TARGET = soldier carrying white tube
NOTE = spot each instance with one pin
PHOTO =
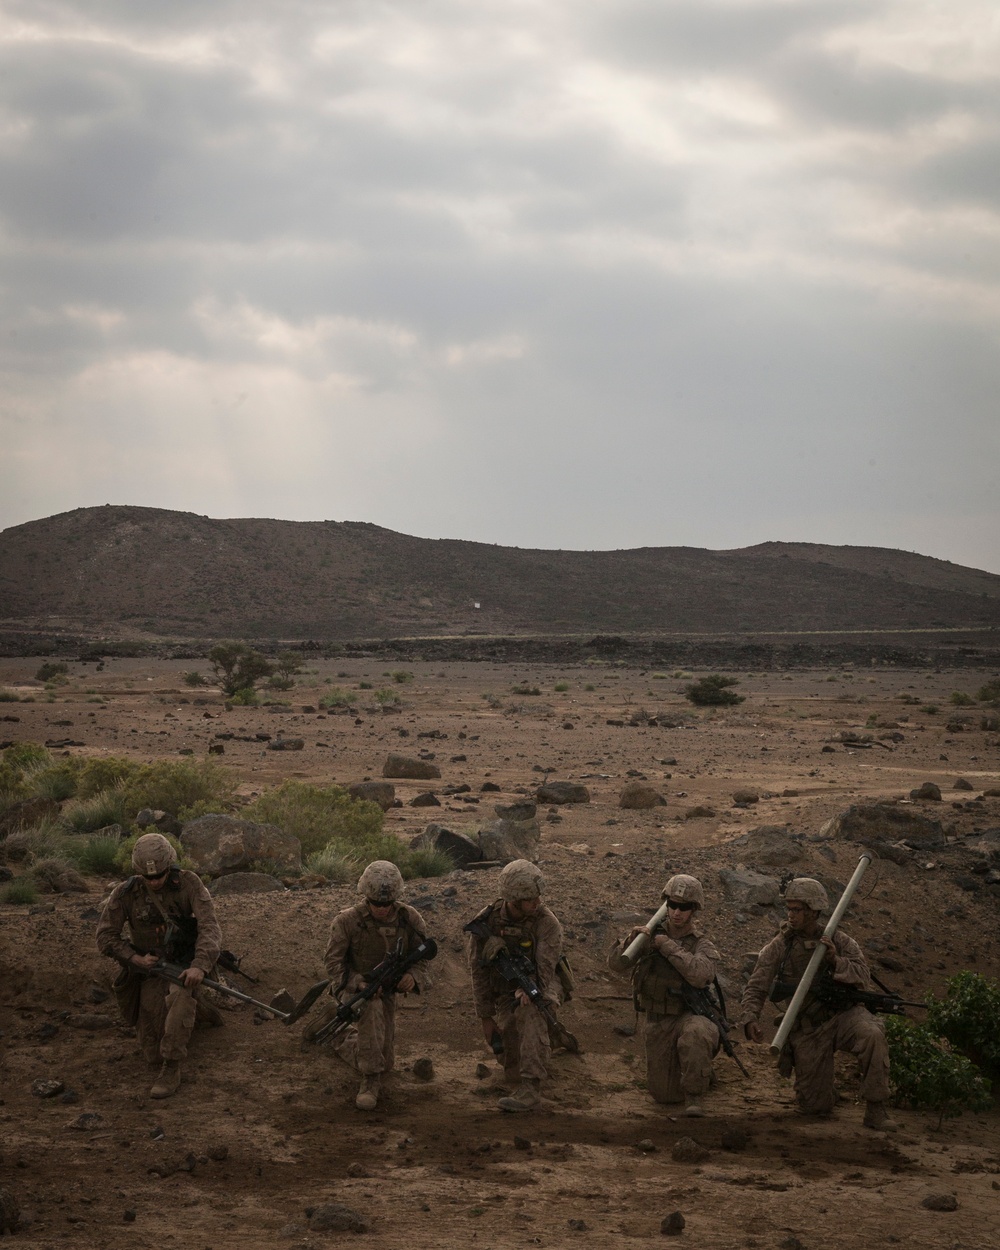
(820, 1027)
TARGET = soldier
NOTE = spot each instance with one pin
(680, 1045)
(155, 904)
(520, 921)
(360, 938)
(819, 1031)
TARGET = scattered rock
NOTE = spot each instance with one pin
(928, 791)
(128, 1215)
(47, 1089)
(92, 1022)
(745, 798)
(771, 845)
(286, 744)
(86, 1121)
(940, 1202)
(743, 886)
(357, 1171)
(647, 1146)
(381, 792)
(462, 849)
(960, 783)
(522, 1143)
(578, 1226)
(637, 796)
(218, 1153)
(334, 1217)
(699, 812)
(863, 822)
(482, 1071)
(687, 1150)
(673, 1224)
(562, 792)
(489, 787)
(735, 1139)
(10, 1212)
(427, 799)
(405, 766)
(221, 844)
(245, 883)
(423, 1069)
(508, 839)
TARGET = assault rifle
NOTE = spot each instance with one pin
(384, 977)
(180, 942)
(520, 971)
(839, 997)
(168, 971)
(701, 1003)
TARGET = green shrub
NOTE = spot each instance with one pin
(492, 699)
(427, 862)
(969, 1017)
(925, 1073)
(401, 676)
(336, 698)
(332, 865)
(387, 698)
(20, 891)
(525, 689)
(179, 787)
(288, 663)
(244, 698)
(931, 709)
(561, 687)
(961, 699)
(97, 812)
(97, 775)
(238, 667)
(58, 782)
(194, 678)
(25, 755)
(713, 691)
(279, 681)
(40, 841)
(990, 693)
(98, 856)
(365, 685)
(316, 814)
(51, 669)
(8, 696)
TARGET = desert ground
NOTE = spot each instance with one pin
(263, 1132)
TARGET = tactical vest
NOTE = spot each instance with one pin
(656, 983)
(145, 921)
(793, 964)
(517, 935)
(374, 940)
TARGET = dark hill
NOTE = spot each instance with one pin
(124, 570)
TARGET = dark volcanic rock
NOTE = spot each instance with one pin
(220, 844)
(463, 850)
(334, 1217)
(637, 796)
(245, 883)
(381, 792)
(562, 792)
(865, 822)
(405, 766)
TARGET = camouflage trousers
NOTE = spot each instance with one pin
(370, 1045)
(813, 1050)
(526, 1048)
(166, 1019)
(679, 1054)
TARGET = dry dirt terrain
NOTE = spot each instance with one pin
(262, 1131)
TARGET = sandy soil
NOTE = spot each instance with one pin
(261, 1130)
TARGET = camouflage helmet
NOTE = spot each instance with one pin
(807, 890)
(381, 883)
(152, 855)
(684, 888)
(521, 880)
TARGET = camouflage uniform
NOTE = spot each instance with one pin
(166, 1012)
(820, 1031)
(679, 1045)
(358, 942)
(525, 1032)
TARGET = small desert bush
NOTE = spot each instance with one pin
(194, 678)
(336, 698)
(561, 687)
(365, 685)
(428, 862)
(41, 841)
(100, 774)
(316, 814)
(969, 1017)
(100, 810)
(990, 693)
(925, 1072)
(183, 788)
(332, 865)
(8, 696)
(492, 699)
(50, 670)
(387, 699)
(930, 709)
(96, 856)
(55, 875)
(401, 676)
(25, 755)
(961, 699)
(244, 698)
(57, 782)
(280, 681)
(20, 891)
(713, 691)
(525, 689)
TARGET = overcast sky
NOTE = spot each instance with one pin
(546, 273)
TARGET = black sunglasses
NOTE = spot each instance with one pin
(676, 905)
(154, 876)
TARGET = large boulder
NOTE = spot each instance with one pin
(743, 886)
(463, 850)
(638, 796)
(873, 823)
(381, 792)
(405, 766)
(221, 844)
(507, 839)
(772, 846)
(562, 792)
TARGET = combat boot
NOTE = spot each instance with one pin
(526, 1098)
(169, 1080)
(877, 1118)
(367, 1099)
